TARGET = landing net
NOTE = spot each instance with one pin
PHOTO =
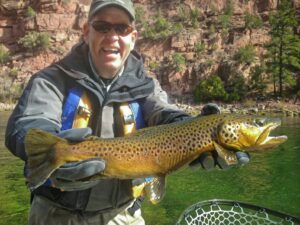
(227, 212)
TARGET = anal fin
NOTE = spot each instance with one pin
(156, 189)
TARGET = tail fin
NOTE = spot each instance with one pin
(42, 160)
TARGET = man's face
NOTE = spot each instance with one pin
(109, 50)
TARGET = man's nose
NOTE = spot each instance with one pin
(112, 35)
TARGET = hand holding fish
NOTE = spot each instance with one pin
(73, 176)
(211, 160)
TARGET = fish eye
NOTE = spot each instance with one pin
(260, 122)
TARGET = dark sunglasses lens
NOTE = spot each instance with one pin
(101, 26)
(104, 27)
(123, 29)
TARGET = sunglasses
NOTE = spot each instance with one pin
(121, 29)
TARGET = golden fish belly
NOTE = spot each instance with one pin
(140, 156)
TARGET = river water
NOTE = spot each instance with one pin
(271, 179)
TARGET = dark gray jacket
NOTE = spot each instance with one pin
(41, 103)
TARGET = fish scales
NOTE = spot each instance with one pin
(153, 151)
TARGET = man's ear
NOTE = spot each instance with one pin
(134, 37)
(85, 32)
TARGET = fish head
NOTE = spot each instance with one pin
(249, 133)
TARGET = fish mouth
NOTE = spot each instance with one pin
(265, 141)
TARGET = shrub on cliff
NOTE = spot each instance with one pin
(210, 89)
(226, 18)
(30, 13)
(160, 27)
(252, 21)
(4, 54)
(188, 16)
(178, 60)
(10, 90)
(199, 48)
(35, 41)
(245, 54)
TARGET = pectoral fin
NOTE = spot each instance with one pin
(228, 156)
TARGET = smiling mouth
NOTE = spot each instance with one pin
(111, 50)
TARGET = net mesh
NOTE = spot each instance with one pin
(225, 212)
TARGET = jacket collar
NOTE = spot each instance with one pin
(134, 82)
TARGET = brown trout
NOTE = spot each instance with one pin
(154, 151)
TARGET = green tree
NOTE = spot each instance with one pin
(236, 88)
(284, 47)
(257, 82)
(210, 89)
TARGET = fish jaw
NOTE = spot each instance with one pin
(271, 142)
(265, 141)
(250, 135)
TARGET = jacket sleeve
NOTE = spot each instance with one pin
(157, 108)
(40, 106)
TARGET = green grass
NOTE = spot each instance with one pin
(14, 201)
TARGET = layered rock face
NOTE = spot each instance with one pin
(63, 20)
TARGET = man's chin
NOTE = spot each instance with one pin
(109, 70)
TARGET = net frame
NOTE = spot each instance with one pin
(230, 212)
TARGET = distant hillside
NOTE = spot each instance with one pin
(182, 41)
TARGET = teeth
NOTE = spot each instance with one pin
(113, 50)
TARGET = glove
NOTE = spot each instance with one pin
(75, 134)
(76, 175)
(209, 109)
(209, 161)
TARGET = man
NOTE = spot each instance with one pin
(96, 85)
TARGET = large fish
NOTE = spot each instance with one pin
(154, 151)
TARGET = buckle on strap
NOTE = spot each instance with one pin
(137, 204)
(128, 118)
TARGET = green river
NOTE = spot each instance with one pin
(271, 179)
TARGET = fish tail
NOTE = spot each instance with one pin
(42, 157)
